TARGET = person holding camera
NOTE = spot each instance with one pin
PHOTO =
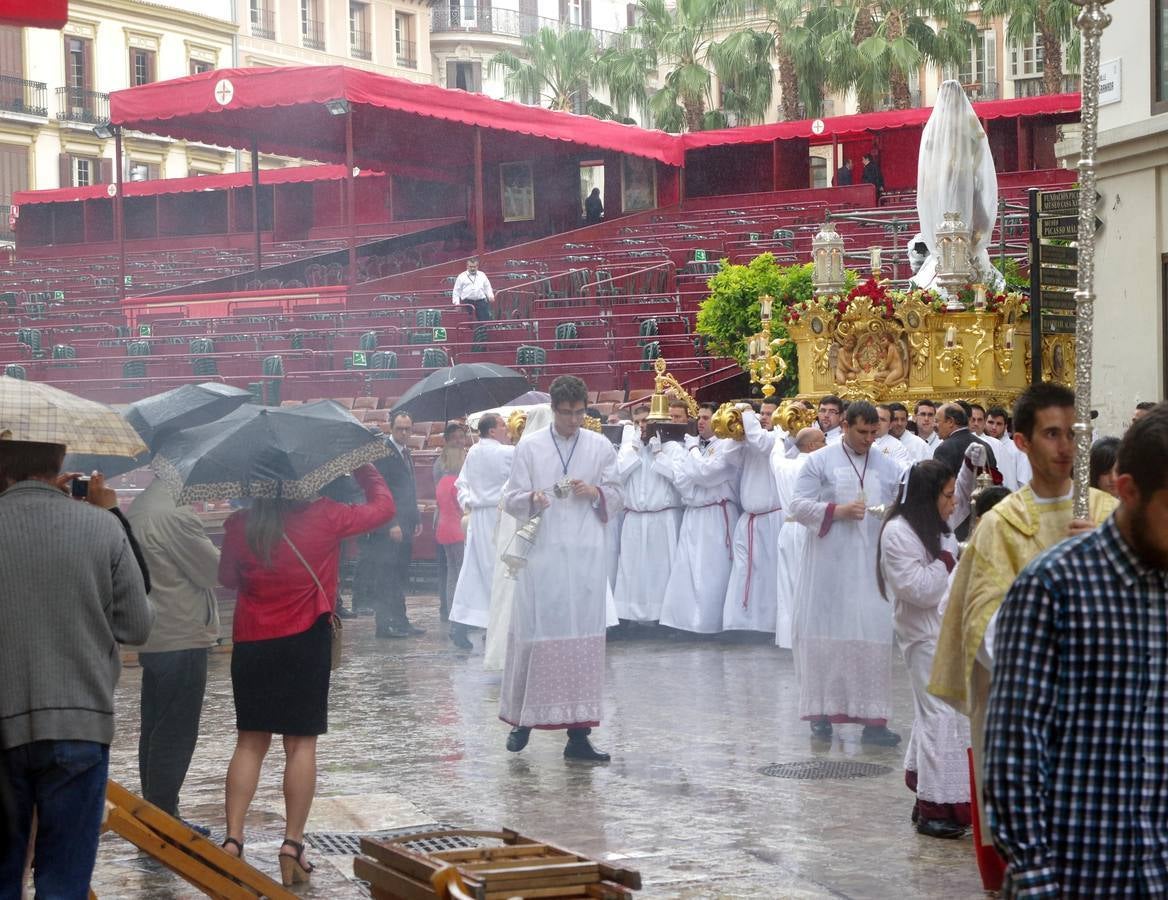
(73, 591)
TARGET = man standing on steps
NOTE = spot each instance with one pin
(473, 287)
(385, 576)
(554, 674)
(480, 487)
(843, 626)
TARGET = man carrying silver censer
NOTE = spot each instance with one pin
(554, 674)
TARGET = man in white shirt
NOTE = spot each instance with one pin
(925, 415)
(913, 445)
(886, 443)
(472, 286)
(831, 410)
(1012, 462)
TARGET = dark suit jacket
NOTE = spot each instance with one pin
(873, 175)
(951, 451)
(398, 472)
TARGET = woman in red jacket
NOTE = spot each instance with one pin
(282, 557)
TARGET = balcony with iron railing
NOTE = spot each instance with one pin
(86, 107)
(503, 23)
(359, 45)
(407, 54)
(19, 95)
(312, 34)
(981, 90)
(263, 24)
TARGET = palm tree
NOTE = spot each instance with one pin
(552, 69)
(799, 28)
(1054, 23)
(681, 40)
(876, 44)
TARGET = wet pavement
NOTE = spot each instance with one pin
(414, 740)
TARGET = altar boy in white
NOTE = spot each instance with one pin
(843, 626)
(752, 593)
(706, 476)
(480, 487)
(554, 674)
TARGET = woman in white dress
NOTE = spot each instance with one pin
(916, 554)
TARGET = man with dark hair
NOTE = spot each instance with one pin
(1015, 531)
(1142, 409)
(872, 174)
(886, 442)
(554, 674)
(1075, 751)
(913, 445)
(73, 591)
(1012, 462)
(925, 415)
(640, 414)
(953, 426)
(473, 287)
(480, 488)
(383, 571)
(843, 626)
(831, 409)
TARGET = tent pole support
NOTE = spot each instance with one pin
(255, 203)
(480, 243)
(350, 200)
(120, 213)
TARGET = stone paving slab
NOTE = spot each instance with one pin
(414, 738)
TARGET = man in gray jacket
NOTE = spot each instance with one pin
(184, 569)
(72, 591)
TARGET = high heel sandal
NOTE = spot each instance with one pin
(293, 869)
(238, 846)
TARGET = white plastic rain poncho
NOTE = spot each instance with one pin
(955, 173)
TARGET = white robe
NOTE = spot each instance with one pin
(554, 673)
(649, 535)
(914, 447)
(708, 484)
(792, 545)
(894, 450)
(480, 487)
(843, 627)
(752, 594)
(919, 586)
(1012, 462)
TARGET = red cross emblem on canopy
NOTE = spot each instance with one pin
(224, 91)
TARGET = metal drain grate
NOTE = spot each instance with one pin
(348, 844)
(823, 769)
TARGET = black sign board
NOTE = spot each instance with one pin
(1061, 301)
(1060, 277)
(1058, 203)
(1058, 255)
(1058, 324)
(1059, 227)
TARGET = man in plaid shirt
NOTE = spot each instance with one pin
(1077, 735)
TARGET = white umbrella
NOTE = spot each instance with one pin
(31, 411)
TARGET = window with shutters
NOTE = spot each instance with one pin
(13, 178)
(1026, 57)
(405, 45)
(575, 13)
(199, 66)
(311, 25)
(82, 171)
(359, 41)
(141, 66)
(78, 61)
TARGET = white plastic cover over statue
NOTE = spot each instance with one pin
(502, 587)
(955, 173)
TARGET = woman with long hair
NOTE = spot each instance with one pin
(282, 557)
(915, 555)
(1104, 455)
(448, 532)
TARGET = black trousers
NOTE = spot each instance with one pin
(383, 573)
(173, 684)
(444, 595)
(482, 308)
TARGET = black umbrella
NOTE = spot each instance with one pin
(163, 414)
(290, 452)
(461, 389)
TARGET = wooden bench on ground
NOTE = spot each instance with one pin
(514, 867)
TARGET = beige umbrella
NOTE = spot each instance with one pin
(31, 411)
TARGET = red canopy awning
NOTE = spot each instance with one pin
(867, 123)
(282, 110)
(295, 174)
(35, 13)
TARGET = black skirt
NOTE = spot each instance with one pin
(281, 685)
